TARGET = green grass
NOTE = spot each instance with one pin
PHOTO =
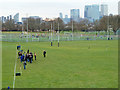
(81, 64)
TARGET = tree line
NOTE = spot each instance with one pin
(106, 22)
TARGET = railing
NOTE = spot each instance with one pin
(17, 37)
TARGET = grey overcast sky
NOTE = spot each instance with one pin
(50, 8)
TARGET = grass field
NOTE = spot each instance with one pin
(80, 64)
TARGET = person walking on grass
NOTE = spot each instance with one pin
(27, 57)
(28, 51)
(31, 56)
(19, 54)
(24, 64)
(44, 53)
(35, 55)
(23, 57)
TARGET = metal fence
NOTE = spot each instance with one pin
(38, 37)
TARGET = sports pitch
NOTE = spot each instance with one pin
(75, 64)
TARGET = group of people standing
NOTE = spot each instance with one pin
(29, 56)
(26, 57)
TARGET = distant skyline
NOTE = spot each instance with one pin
(51, 8)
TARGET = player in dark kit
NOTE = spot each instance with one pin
(35, 55)
(19, 54)
(27, 57)
(44, 53)
(23, 57)
(31, 56)
(28, 51)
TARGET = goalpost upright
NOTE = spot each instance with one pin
(27, 27)
(58, 34)
(51, 34)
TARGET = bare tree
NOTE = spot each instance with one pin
(9, 25)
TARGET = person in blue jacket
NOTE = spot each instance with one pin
(21, 58)
(25, 64)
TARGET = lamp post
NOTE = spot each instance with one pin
(108, 28)
(53, 29)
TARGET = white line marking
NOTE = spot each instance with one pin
(14, 71)
(20, 69)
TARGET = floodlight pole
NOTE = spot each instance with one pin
(108, 30)
(58, 34)
(22, 31)
(53, 29)
(51, 34)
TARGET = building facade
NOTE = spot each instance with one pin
(16, 18)
(10, 17)
(91, 12)
(104, 10)
(24, 19)
(61, 15)
(66, 19)
(34, 17)
(119, 8)
(75, 14)
(66, 16)
(3, 19)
